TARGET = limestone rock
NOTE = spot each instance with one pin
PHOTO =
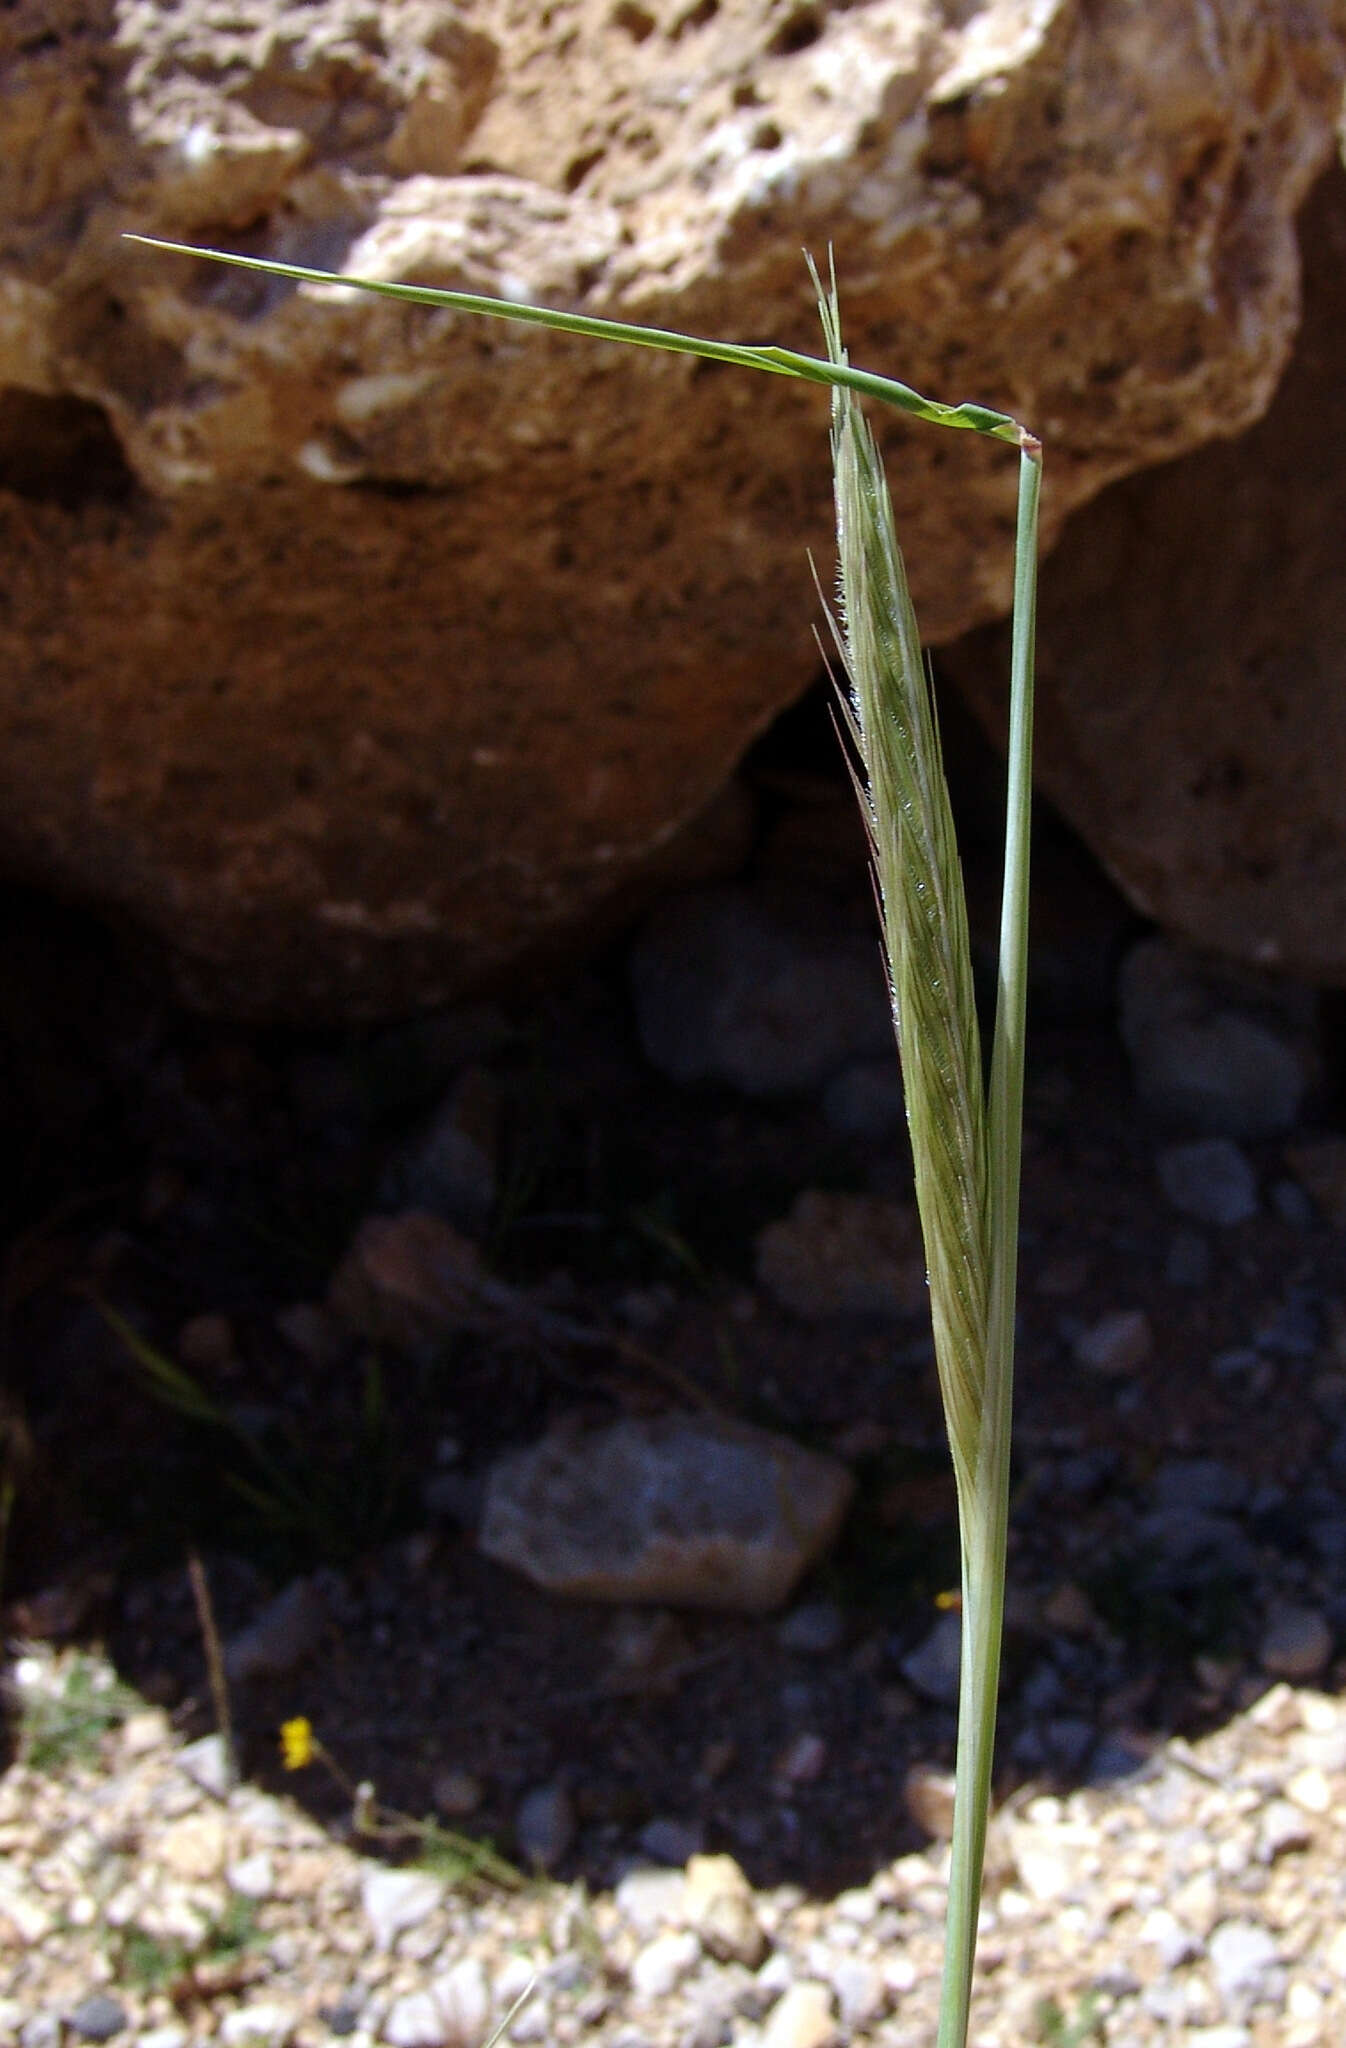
(358, 653)
(1190, 682)
(684, 1510)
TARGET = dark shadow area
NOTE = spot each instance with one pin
(59, 450)
(198, 1186)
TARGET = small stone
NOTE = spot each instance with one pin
(861, 1994)
(454, 2012)
(1116, 1344)
(1311, 1790)
(927, 1794)
(732, 984)
(396, 1900)
(194, 1848)
(413, 2022)
(1243, 1955)
(288, 1629)
(650, 1899)
(1303, 2001)
(659, 1967)
(933, 1666)
(683, 1510)
(1297, 1644)
(814, 1629)
(411, 1281)
(1175, 1943)
(801, 2018)
(802, 1761)
(264, 2025)
(252, 1877)
(839, 1254)
(208, 1764)
(1283, 1829)
(544, 1826)
(1211, 1180)
(1212, 1047)
(672, 1842)
(456, 1794)
(145, 1731)
(463, 1997)
(450, 1169)
(98, 2017)
(718, 1904)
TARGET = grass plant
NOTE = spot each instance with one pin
(965, 1134)
(64, 1706)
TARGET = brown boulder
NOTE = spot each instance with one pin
(1192, 664)
(359, 651)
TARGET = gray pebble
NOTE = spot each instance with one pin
(1293, 1331)
(544, 1826)
(288, 1629)
(395, 1901)
(1284, 1828)
(1296, 1645)
(672, 1842)
(932, 1667)
(1211, 1180)
(208, 1764)
(1244, 1959)
(814, 1629)
(98, 2017)
(1117, 1343)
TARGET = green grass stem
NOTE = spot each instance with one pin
(966, 1137)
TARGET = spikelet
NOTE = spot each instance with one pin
(903, 795)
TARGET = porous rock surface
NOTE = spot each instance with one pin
(1191, 686)
(358, 652)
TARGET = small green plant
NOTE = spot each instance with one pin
(151, 1962)
(965, 1134)
(325, 1511)
(1056, 2031)
(64, 1706)
(466, 1864)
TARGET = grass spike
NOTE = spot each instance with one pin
(966, 1144)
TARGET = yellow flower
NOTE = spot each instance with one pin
(297, 1747)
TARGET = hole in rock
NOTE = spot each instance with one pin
(60, 450)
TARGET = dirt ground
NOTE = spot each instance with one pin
(172, 1170)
